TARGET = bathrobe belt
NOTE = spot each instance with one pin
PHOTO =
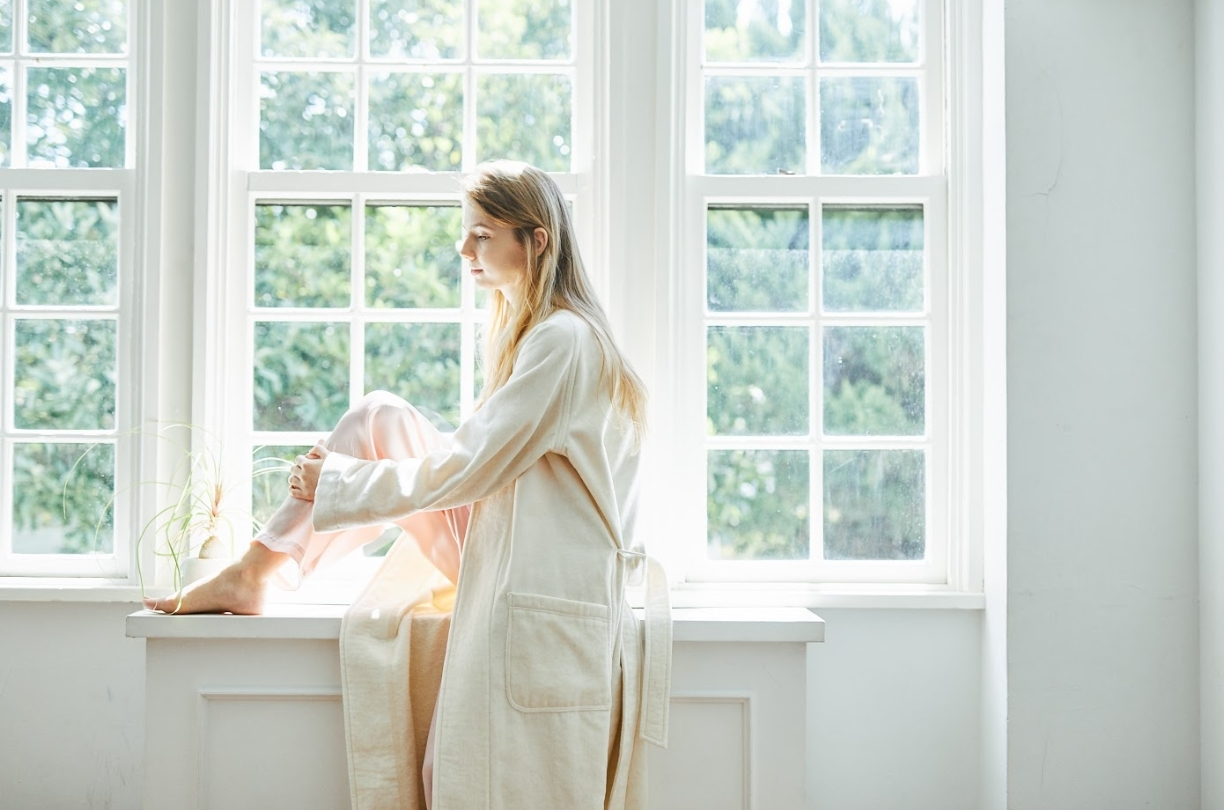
(656, 667)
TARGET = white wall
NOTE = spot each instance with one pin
(1102, 564)
(71, 707)
(1209, 89)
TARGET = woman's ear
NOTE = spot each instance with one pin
(540, 237)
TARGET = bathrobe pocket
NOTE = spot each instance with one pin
(558, 654)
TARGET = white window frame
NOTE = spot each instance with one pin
(135, 368)
(233, 182)
(948, 183)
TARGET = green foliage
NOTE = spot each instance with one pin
(67, 252)
(65, 377)
(65, 494)
(306, 120)
(76, 117)
(302, 255)
(419, 362)
(525, 117)
(872, 259)
(874, 381)
(755, 125)
(301, 375)
(869, 125)
(763, 31)
(416, 29)
(524, 29)
(758, 507)
(757, 380)
(873, 504)
(84, 26)
(757, 259)
(308, 28)
(416, 121)
(410, 258)
(868, 31)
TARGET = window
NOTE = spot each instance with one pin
(69, 276)
(348, 123)
(813, 292)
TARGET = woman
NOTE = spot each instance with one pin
(545, 693)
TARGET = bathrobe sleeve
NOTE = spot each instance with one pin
(518, 424)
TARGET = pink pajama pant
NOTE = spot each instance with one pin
(380, 426)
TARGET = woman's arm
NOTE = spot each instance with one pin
(518, 424)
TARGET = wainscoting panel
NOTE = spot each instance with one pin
(709, 736)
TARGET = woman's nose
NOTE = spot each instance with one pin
(463, 246)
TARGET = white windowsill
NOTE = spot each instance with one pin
(322, 622)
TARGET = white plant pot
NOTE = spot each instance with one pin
(196, 568)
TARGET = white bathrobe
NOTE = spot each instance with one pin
(547, 689)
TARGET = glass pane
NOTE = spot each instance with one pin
(306, 121)
(757, 259)
(755, 125)
(757, 505)
(874, 381)
(310, 29)
(757, 380)
(416, 29)
(411, 259)
(270, 465)
(524, 29)
(869, 126)
(65, 378)
(76, 117)
(301, 375)
(65, 503)
(419, 362)
(875, 504)
(96, 26)
(67, 252)
(869, 30)
(872, 259)
(6, 26)
(416, 121)
(302, 255)
(6, 116)
(525, 117)
(768, 30)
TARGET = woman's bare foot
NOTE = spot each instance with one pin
(240, 588)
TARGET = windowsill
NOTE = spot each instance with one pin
(322, 623)
(741, 597)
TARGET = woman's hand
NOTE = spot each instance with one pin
(304, 476)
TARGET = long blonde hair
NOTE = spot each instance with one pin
(522, 197)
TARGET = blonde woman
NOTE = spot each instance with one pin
(547, 689)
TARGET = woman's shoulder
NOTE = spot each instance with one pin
(565, 326)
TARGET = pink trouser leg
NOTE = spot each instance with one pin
(380, 426)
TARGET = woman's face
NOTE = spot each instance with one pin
(496, 258)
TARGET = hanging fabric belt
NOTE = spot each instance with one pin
(656, 668)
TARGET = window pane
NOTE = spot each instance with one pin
(872, 259)
(755, 125)
(525, 117)
(769, 30)
(67, 252)
(874, 381)
(411, 259)
(757, 505)
(523, 29)
(869, 126)
(301, 375)
(416, 121)
(757, 259)
(757, 378)
(869, 30)
(416, 29)
(311, 29)
(875, 505)
(6, 115)
(302, 255)
(6, 26)
(65, 377)
(269, 472)
(65, 498)
(419, 362)
(96, 26)
(306, 120)
(76, 117)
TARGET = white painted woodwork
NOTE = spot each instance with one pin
(245, 712)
